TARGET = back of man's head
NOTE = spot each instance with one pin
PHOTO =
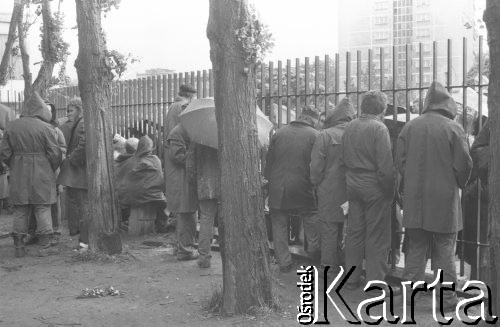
(309, 115)
(374, 103)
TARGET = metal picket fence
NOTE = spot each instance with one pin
(403, 72)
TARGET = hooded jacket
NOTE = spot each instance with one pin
(327, 171)
(31, 151)
(142, 177)
(433, 158)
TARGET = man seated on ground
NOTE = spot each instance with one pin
(121, 168)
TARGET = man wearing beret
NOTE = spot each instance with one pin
(290, 188)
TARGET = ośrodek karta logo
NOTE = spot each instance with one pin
(309, 311)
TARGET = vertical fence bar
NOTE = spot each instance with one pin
(464, 124)
(449, 68)
(153, 131)
(306, 81)
(337, 78)
(316, 81)
(271, 92)
(394, 142)
(479, 213)
(382, 72)
(434, 60)
(280, 108)
(420, 77)
(288, 90)
(212, 84)
(129, 98)
(347, 73)
(263, 88)
(358, 80)
(170, 92)
(199, 85)
(124, 107)
(176, 84)
(135, 99)
(297, 87)
(148, 105)
(139, 106)
(394, 94)
(163, 109)
(327, 82)
(144, 100)
(193, 81)
(204, 84)
(370, 63)
(159, 137)
(408, 60)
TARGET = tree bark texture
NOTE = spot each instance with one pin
(49, 53)
(94, 78)
(245, 255)
(17, 14)
(492, 20)
(25, 59)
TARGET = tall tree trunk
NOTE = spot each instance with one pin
(25, 58)
(492, 20)
(94, 78)
(245, 255)
(49, 51)
(17, 14)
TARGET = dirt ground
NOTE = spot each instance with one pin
(157, 289)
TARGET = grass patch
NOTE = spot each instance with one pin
(101, 257)
(213, 304)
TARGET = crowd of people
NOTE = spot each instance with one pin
(346, 174)
(340, 178)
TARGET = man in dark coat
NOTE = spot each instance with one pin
(186, 94)
(370, 181)
(73, 175)
(290, 188)
(31, 151)
(182, 200)
(207, 183)
(433, 158)
(328, 178)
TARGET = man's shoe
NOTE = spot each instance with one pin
(30, 239)
(19, 250)
(190, 256)
(54, 240)
(287, 268)
(204, 261)
(45, 241)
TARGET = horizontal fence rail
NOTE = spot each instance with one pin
(403, 72)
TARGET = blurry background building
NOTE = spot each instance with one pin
(387, 23)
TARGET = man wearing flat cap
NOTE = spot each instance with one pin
(290, 188)
(185, 95)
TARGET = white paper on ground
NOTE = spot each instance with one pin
(345, 207)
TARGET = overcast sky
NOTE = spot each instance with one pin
(172, 33)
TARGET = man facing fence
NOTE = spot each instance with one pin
(370, 188)
(433, 158)
(290, 189)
